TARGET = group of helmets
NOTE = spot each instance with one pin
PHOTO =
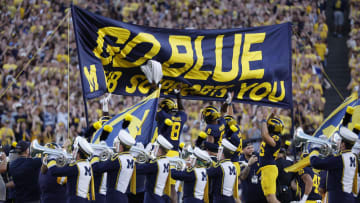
(211, 113)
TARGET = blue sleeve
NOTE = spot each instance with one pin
(109, 165)
(333, 162)
(36, 163)
(323, 175)
(213, 147)
(182, 175)
(64, 171)
(146, 168)
(214, 171)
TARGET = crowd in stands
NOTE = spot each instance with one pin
(36, 103)
(354, 45)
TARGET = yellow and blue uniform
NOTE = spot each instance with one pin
(120, 171)
(25, 173)
(225, 181)
(195, 184)
(171, 133)
(269, 171)
(157, 186)
(52, 188)
(79, 175)
(100, 180)
(217, 131)
(315, 176)
(251, 187)
(234, 136)
(342, 170)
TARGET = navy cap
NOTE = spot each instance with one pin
(22, 146)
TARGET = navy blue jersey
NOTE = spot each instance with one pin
(52, 188)
(195, 181)
(171, 133)
(315, 176)
(216, 130)
(269, 153)
(157, 173)
(78, 179)
(25, 173)
(341, 175)
(251, 187)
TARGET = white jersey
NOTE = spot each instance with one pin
(127, 164)
(229, 178)
(83, 178)
(162, 175)
(349, 171)
(200, 183)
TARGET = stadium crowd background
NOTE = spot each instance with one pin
(35, 106)
(354, 46)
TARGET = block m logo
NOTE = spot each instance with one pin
(91, 78)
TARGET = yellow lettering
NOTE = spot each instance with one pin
(196, 88)
(144, 87)
(257, 97)
(166, 84)
(247, 56)
(91, 78)
(142, 121)
(219, 75)
(121, 34)
(119, 59)
(195, 73)
(177, 41)
(206, 89)
(244, 88)
(112, 80)
(134, 81)
(272, 96)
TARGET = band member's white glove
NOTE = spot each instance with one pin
(152, 71)
(228, 98)
(303, 199)
(176, 91)
(105, 103)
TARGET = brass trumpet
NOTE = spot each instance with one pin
(61, 157)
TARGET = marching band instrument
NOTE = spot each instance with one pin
(179, 163)
(141, 154)
(301, 139)
(325, 147)
(103, 151)
(61, 157)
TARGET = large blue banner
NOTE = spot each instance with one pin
(334, 120)
(255, 63)
(142, 125)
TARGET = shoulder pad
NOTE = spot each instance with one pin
(190, 169)
(114, 156)
(276, 138)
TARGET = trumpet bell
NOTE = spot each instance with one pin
(61, 157)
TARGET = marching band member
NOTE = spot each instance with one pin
(157, 186)
(100, 178)
(79, 174)
(195, 178)
(224, 175)
(171, 120)
(120, 168)
(269, 148)
(25, 173)
(250, 180)
(342, 169)
(52, 188)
